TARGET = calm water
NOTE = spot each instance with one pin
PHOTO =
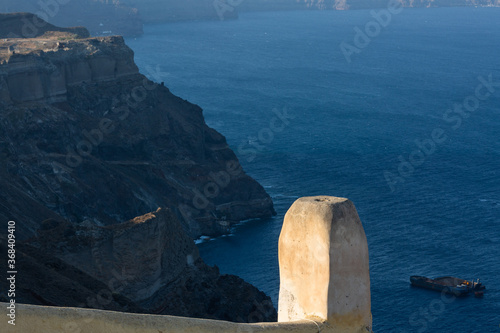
(352, 124)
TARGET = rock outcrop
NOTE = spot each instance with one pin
(113, 174)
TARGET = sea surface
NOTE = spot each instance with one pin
(350, 131)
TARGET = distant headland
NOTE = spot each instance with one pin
(127, 17)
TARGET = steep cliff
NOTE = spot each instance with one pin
(103, 135)
(107, 171)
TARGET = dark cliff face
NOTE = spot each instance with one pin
(114, 175)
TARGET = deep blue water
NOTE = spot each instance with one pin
(352, 122)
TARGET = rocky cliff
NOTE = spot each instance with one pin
(113, 174)
(104, 135)
(100, 17)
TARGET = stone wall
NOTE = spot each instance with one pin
(41, 319)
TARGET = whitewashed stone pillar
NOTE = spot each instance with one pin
(324, 271)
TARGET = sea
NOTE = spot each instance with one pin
(401, 115)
